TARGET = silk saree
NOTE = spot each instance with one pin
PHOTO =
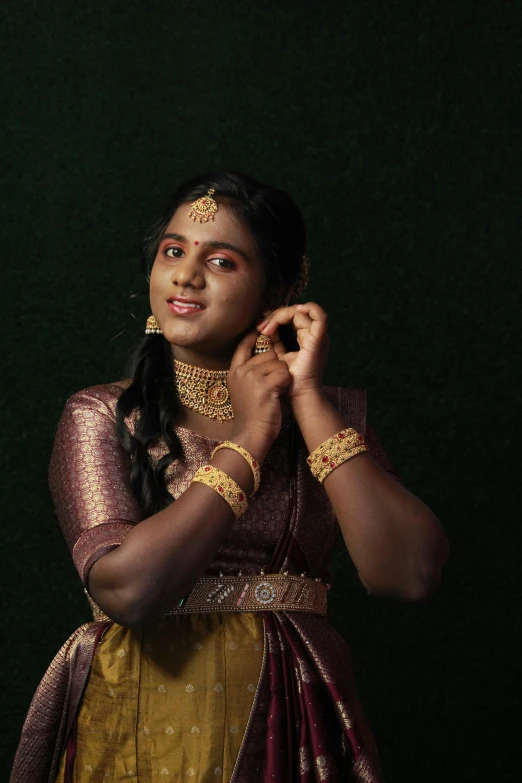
(249, 697)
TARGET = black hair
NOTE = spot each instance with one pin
(276, 224)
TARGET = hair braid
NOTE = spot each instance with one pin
(152, 394)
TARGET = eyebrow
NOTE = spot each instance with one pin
(210, 244)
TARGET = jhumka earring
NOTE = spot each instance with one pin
(204, 208)
(152, 326)
(263, 344)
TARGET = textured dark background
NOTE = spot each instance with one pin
(396, 126)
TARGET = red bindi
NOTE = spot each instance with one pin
(196, 242)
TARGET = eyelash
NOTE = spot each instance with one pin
(230, 263)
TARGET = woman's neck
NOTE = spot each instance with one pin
(216, 361)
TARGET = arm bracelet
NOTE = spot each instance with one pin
(254, 464)
(225, 486)
(334, 451)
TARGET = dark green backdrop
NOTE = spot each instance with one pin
(396, 126)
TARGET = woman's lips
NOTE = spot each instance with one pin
(184, 308)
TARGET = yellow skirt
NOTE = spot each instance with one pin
(170, 701)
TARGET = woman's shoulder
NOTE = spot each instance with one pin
(102, 397)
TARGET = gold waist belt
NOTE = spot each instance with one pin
(266, 593)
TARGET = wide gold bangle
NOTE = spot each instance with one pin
(225, 486)
(334, 451)
(254, 464)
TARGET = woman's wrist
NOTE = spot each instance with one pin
(316, 418)
(306, 401)
(255, 442)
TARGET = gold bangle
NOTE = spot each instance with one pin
(254, 464)
(334, 451)
(225, 486)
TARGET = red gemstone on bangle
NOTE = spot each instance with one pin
(207, 469)
(220, 489)
(254, 463)
(332, 464)
(241, 497)
(325, 459)
(341, 435)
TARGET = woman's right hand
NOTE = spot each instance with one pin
(256, 384)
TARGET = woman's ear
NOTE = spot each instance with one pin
(275, 297)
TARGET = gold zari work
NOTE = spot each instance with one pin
(203, 391)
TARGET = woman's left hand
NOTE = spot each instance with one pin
(306, 365)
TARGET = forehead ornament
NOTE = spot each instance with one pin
(204, 209)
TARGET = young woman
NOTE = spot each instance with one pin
(201, 500)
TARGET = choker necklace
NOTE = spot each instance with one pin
(203, 391)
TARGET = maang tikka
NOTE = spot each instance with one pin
(204, 209)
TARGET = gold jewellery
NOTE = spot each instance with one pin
(263, 344)
(152, 326)
(203, 391)
(334, 451)
(254, 464)
(204, 208)
(225, 486)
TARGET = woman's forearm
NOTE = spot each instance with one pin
(161, 558)
(395, 541)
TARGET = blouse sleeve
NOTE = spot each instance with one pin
(89, 479)
(351, 404)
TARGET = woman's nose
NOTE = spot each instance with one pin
(187, 272)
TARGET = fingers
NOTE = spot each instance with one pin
(284, 315)
(266, 363)
(305, 316)
(244, 349)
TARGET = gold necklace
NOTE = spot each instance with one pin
(203, 391)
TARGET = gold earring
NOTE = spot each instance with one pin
(152, 326)
(263, 344)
